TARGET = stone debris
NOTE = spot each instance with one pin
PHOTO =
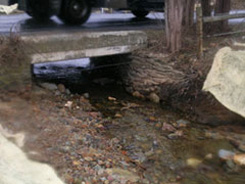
(225, 154)
(239, 159)
(16, 168)
(8, 9)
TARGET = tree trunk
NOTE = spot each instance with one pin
(173, 19)
(188, 20)
(223, 6)
(178, 18)
(145, 74)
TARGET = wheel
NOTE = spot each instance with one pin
(39, 10)
(11, 2)
(140, 13)
(75, 11)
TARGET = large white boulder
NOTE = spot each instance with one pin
(16, 168)
(226, 79)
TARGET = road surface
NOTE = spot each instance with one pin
(23, 24)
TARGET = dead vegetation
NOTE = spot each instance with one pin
(15, 68)
(178, 78)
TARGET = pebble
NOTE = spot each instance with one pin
(168, 127)
(182, 123)
(239, 159)
(117, 115)
(69, 104)
(49, 86)
(121, 174)
(225, 154)
(193, 162)
(68, 92)
(61, 88)
(209, 156)
(57, 93)
(86, 95)
(138, 95)
(154, 98)
(110, 98)
(241, 147)
(230, 164)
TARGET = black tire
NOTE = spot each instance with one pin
(75, 12)
(11, 2)
(39, 10)
(140, 13)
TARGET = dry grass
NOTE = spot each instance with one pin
(14, 65)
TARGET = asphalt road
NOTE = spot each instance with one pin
(23, 24)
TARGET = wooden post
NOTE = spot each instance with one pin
(199, 28)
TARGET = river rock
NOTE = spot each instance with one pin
(239, 159)
(49, 86)
(68, 92)
(61, 88)
(86, 95)
(193, 162)
(225, 154)
(122, 175)
(182, 123)
(138, 95)
(154, 98)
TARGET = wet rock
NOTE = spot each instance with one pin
(69, 104)
(110, 98)
(239, 159)
(176, 135)
(49, 86)
(230, 164)
(122, 175)
(57, 93)
(138, 95)
(214, 135)
(154, 98)
(68, 92)
(86, 95)
(61, 88)
(173, 136)
(209, 156)
(117, 115)
(168, 127)
(225, 154)
(241, 147)
(193, 162)
(182, 123)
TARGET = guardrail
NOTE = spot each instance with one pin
(201, 20)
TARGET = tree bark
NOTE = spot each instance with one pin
(145, 74)
(223, 6)
(173, 19)
(178, 18)
(188, 20)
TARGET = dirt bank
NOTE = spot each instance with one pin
(177, 79)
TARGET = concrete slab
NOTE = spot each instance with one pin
(74, 45)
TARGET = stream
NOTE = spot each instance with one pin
(162, 143)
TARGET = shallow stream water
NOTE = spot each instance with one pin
(164, 145)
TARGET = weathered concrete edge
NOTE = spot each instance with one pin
(74, 36)
(68, 46)
(69, 55)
